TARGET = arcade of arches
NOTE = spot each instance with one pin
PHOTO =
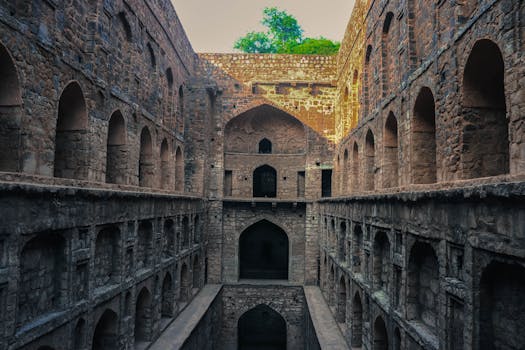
(153, 197)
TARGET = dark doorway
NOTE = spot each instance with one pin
(265, 182)
(261, 328)
(326, 183)
(263, 252)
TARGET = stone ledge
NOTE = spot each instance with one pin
(326, 329)
(181, 328)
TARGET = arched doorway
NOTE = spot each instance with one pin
(263, 252)
(261, 328)
(265, 182)
(380, 335)
(106, 332)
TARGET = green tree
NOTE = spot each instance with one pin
(283, 35)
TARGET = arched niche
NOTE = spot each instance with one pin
(244, 132)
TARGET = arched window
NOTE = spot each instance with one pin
(341, 301)
(125, 26)
(116, 156)
(357, 322)
(184, 292)
(263, 252)
(261, 328)
(367, 80)
(144, 253)
(10, 104)
(71, 138)
(265, 146)
(485, 128)
(265, 182)
(355, 167)
(382, 262)
(107, 257)
(423, 163)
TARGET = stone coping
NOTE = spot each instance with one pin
(326, 329)
(181, 328)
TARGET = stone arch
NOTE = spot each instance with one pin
(357, 257)
(196, 273)
(152, 58)
(186, 232)
(71, 136)
(423, 160)
(117, 153)
(380, 335)
(355, 99)
(42, 267)
(179, 170)
(485, 134)
(243, 132)
(196, 229)
(341, 251)
(366, 87)
(357, 322)
(146, 164)
(341, 301)
(79, 334)
(355, 167)
(397, 339)
(386, 53)
(390, 153)
(10, 113)
(144, 245)
(169, 238)
(263, 252)
(143, 316)
(184, 292)
(331, 285)
(107, 257)
(345, 171)
(423, 285)
(169, 78)
(126, 27)
(265, 146)
(501, 307)
(263, 328)
(370, 167)
(167, 297)
(265, 182)
(106, 335)
(382, 262)
(164, 164)
(180, 122)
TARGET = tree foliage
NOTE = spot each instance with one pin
(283, 35)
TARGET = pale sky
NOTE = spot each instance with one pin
(214, 25)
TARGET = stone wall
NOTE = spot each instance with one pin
(73, 253)
(423, 117)
(72, 67)
(288, 301)
(429, 278)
